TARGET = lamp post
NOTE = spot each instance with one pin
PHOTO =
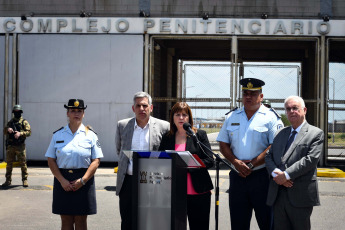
(333, 105)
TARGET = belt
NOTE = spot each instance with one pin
(73, 170)
(258, 170)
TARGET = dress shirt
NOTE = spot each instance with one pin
(140, 141)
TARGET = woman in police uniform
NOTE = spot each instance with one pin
(73, 157)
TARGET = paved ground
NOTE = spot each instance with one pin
(30, 208)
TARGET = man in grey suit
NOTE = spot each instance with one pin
(292, 162)
(141, 132)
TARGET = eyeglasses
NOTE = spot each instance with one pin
(294, 109)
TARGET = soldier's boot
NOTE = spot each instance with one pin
(25, 183)
(7, 183)
(25, 176)
(8, 176)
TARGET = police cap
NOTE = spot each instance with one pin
(251, 84)
(17, 108)
(75, 104)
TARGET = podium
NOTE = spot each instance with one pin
(160, 189)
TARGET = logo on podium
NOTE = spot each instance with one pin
(143, 175)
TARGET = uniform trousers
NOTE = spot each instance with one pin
(126, 203)
(246, 194)
(11, 152)
(198, 211)
(288, 217)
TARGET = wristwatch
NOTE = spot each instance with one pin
(250, 165)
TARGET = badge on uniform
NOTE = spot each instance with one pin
(57, 142)
(235, 124)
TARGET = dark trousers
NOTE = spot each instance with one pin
(288, 217)
(126, 203)
(246, 194)
(198, 211)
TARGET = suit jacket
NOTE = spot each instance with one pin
(300, 162)
(200, 177)
(123, 140)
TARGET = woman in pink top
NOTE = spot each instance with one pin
(199, 184)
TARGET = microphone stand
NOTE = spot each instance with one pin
(218, 160)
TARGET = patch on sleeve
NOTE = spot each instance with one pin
(98, 144)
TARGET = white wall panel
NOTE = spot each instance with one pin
(2, 85)
(2, 60)
(104, 70)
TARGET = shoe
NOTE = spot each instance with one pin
(25, 183)
(7, 183)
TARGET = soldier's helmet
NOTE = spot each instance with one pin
(17, 108)
(266, 103)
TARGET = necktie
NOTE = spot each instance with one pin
(291, 139)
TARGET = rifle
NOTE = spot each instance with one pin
(12, 140)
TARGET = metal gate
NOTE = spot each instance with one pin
(207, 88)
(336, 102)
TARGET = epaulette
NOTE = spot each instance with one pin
(87, 128)
(58, 130)
(93, 131)
(231, 110)
(276, 113)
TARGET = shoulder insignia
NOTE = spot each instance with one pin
(93, 131)
(275, 112)
(88, 127)
(58, 130)
(234, 109)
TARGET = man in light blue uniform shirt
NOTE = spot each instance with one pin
(244, 140)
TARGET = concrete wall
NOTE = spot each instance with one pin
(177, 8)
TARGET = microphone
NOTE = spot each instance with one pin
(188, 128)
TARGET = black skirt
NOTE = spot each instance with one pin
(80, 202)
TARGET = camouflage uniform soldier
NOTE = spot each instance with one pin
(16, 131)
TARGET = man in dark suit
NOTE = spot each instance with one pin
(141, 132)
(292, 163)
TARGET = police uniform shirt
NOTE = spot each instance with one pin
(249, 138)
(73, 151)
